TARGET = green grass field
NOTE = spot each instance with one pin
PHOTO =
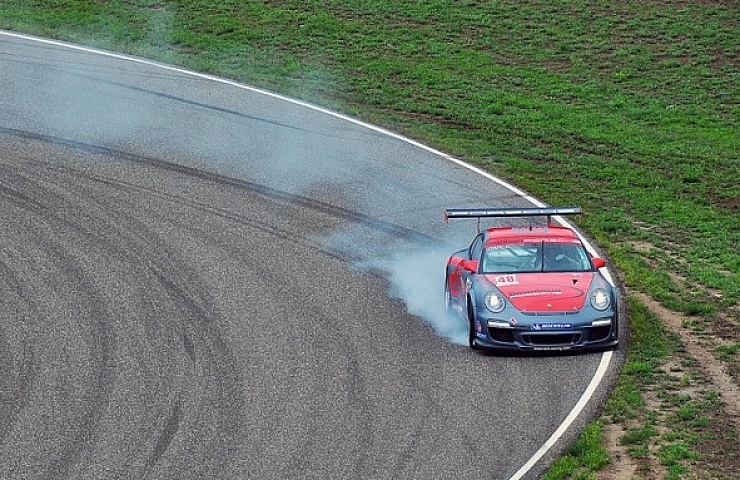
(629, 109)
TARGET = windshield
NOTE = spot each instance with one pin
(536, 257)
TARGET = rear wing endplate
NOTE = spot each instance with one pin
(510, 212)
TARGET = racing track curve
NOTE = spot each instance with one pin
(181, 296)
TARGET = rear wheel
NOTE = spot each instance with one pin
(448, 295)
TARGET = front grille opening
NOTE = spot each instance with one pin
(553, 339)
(599, 333)
(501, 334)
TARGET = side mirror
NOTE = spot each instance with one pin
(599, 262)
(470, 265)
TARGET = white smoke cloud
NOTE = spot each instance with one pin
(416, 276)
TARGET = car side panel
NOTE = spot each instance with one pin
(456, 278)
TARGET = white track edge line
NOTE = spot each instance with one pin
(606, 356)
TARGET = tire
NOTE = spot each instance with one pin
(448, 296)
(471, 328)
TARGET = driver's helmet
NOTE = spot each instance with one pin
(555, 253)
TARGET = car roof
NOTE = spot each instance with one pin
(552, 233)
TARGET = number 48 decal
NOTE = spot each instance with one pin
(504, 280)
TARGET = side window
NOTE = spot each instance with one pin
(476, 248)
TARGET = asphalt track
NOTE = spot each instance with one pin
(196, 284)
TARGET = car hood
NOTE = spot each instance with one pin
(544, 292)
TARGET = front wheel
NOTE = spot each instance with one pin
(471, 328)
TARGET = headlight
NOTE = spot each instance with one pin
(494, 302)
(600, 299)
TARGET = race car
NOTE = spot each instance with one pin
(530, 287)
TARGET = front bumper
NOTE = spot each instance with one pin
(493, 335)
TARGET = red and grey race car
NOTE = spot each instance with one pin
(532, 287)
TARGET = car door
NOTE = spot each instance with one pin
(464, 267)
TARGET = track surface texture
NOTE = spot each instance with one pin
(193, 286)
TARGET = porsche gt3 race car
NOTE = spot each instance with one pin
(528, 288)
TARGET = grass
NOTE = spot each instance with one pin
(629, 109)
(727, 352)
(675, 434)
(583, 457)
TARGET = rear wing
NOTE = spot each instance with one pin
(479, 213)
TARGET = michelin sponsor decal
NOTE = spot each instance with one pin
(551, 326)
